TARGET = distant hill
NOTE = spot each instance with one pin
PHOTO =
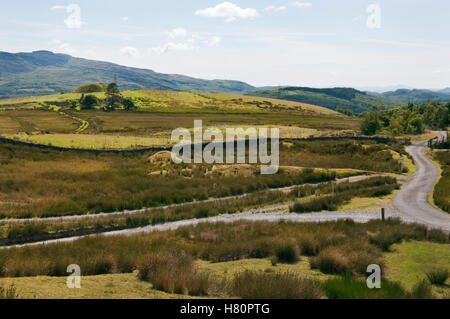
(445, 91)
(44, 72)
(333, 98)
(416, 96)
(382, 89)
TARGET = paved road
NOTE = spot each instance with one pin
(412, 199)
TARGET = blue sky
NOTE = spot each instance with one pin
(321, 43)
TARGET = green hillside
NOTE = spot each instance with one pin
(44, 72)
(416, 96)
(333, 98)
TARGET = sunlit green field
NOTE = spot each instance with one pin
(50, 119)
(88, 141)
(169, 101)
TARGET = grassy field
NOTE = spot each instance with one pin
(123, 286)
(242, 259)
(406, 264)
(171, 101)
(409, 263)
(36, 182)
(39, 121)
(90, 141)
(315, 255)
(158, 114)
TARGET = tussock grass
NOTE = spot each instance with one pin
(173, 272)
(266, 285)
(8, 292)
(348, 258)
(384, 240)
(438, 276)
(340, 247)
(287, 252)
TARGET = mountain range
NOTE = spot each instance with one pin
(45, 72)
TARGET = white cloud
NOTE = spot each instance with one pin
(90, 53)
(299, 4)
(274, 8)
(177, 33)
(228, 10)
(404, 44)
(130, 52)
(63, 47)
(66, 48)
(174, 46)
(181, 40)
(214, 41)
(125, 19)
(73, 21)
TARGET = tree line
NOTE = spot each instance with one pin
(411, 119)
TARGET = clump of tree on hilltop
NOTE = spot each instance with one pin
(111, 102)
(411, 119)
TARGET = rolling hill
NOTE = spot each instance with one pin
(44, 72)
(333, 98)
(416, 96)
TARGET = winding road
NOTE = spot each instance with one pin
(412, 199)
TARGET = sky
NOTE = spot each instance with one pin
(318, 43)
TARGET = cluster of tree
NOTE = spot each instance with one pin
(347, 112)
(113, 100)
(411, 119)
(91, 88)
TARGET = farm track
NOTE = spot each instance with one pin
(143, 210)
(273, 214)
(84, 124)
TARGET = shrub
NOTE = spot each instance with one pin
(8, 292)
(128, 104)
(385, 240)
(330, 262)
(173, 272)
(438, 236)
(348, 258)
(422, 290)
(202, 213)
(287, 252)
(309, 246)
(263, 285)
(98, 265)
(438, 276)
